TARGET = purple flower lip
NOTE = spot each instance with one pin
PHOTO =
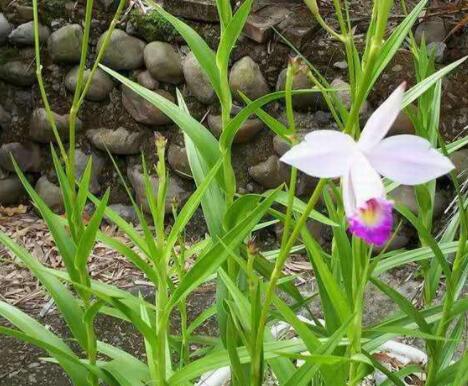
(373, 221)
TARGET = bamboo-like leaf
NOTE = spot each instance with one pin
(395, 41)
(217, 254)
(63, 241)
(33, 332)
(212, 200)
(299, 206)
(224, 12)
(88, 238)
(220, 359)
(427, 237)
(337, 297)
(391, 260)
(199, 134)
(415, 92)
(230, 35)
(63, 298)
(229, 132)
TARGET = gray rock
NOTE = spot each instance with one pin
(27, 156)
(202, 10)
(5, 29)
(101, 84)
(127, 212)
(246, 132)
(24, 34)
(124, 52)
(120, 141)
(246, 77)
(143, 111)
(320, 232)
(163, 62)
(146, 80)
(51, 194)
(41, 131)
(406, 195)
(432, 29)
(402, 125)
(344, 94)
(343, 65)
(5, 118)
(438, 50)
(19, 13)
(280, 145)
(18, 72)
(270, 173)
(11, 190)
(176, 193)
(460, 160)
(313, 101)
(98, 162)
(178, 160)
(64, 45)
(197, 81)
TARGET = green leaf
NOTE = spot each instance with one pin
(63, 298)
(64, 242)
(229, 132)
(217, 254)
(212, 200)
(429, 240)
(231, 34)
(220, 358)
(299, 207)
(88, 238)
(191, 205)
(404, 304)
(391, 260)
(199, 134)
(224, 11)
(338, 299)
(415, 92)
(394, 42)
(33, 332)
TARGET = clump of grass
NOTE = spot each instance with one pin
(152, 26)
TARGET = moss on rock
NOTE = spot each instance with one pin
(152, 26)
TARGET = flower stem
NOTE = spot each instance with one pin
(275, 275)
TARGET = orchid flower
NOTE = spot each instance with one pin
(405, 159)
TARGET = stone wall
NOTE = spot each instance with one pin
(147, 49)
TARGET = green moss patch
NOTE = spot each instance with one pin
(152, 26)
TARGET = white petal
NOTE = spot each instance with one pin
(408, 160)
(349, 201)
(382, 120)
(365, 181)
(323, 154)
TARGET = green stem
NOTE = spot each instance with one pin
(102, 50)
(40, 80)
(76, 97)
(91, 351)
(362, 265)
(275, 275)
(161, 332)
